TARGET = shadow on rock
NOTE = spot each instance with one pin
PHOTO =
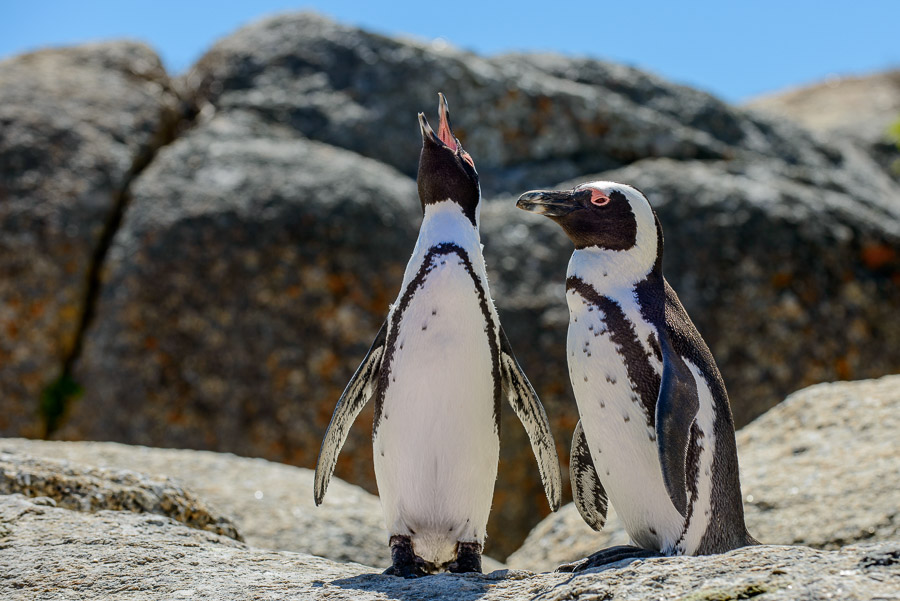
(461, 587)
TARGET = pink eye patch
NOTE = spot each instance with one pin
(599, 198)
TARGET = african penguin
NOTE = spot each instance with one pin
(437, 371)
(655, 430)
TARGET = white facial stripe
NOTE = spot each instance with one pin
(612, 269)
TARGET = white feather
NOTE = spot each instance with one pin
(622, 445)
(436, 450)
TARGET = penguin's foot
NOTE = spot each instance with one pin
(608, 556)
(406, 564)
(468, 559)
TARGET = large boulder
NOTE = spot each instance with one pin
(528, 120)
(820, 469)
(75, 125)
(861, 109)
(53, 553)
(270, 504)
(252, 270)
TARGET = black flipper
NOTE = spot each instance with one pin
(530, 412)
(676, 408)
(589, 495)
(357, 393)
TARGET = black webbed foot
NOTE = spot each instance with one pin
(608, 556)
(468, 559)
(406, 564)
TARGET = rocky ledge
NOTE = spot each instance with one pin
(106, 520)
(55, 553)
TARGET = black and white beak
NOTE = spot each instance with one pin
(553, 203)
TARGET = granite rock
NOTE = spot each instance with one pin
(58, 554)
(92, 489)
(820, 469)
(251, 272)
(528, 120)
(860, 109)
(75, 124)
(270, 504)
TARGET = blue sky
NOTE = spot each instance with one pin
(733, 49)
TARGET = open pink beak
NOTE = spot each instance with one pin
(445, 133)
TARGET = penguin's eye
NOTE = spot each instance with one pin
(599, 198)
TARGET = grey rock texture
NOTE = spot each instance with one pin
(528, 120)
(564, 537)
(861, 109)
(822, 468)
(270, 504)
(251, 272)
(74, 123)
(52, 553)
(91, 489)
(819, 469)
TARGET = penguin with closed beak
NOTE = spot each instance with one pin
(437, 371)
(655, 435)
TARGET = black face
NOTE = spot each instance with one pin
(589, 216)
(445, 169)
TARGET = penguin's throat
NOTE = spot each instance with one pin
(446, 221)
(609, 271)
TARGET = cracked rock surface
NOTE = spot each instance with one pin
(73, 123)
(92, 489)
(59, 554)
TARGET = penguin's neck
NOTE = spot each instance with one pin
(612, 273)
(446, 221)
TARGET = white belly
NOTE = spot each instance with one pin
(436, 448)
(622, 444)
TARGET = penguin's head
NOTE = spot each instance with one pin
(446, 171)
(615, 219)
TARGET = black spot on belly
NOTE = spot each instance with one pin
(644, 379)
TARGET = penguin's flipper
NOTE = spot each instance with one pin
(530, 412)
(589, 494)
(357, 393)
(676, 407)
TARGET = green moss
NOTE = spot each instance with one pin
(55, 398)
(894, 134)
